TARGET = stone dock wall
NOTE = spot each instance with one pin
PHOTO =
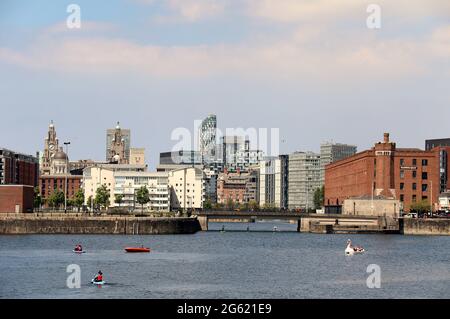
(422, 226)
(59, 224)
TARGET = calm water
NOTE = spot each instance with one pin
(226, 265)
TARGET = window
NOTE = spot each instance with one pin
(424, 175)
(414, 186)
(424, 162)
(424, 197)
(414, 198)
(402, 186)
(402, 197)
(414, 174)
(402, 174)
(414, 161)
(402, 162)
(424, 187)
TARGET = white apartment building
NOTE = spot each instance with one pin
(270, 191)
(125, 179)
(187, 188)
(127, 184)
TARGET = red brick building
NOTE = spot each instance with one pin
(16, 198)
(48, 184)
(409, 175)
(18, 169)
(240, 187)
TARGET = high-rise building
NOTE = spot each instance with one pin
(236, 154)
(207, 138)
(430, 144)
(18, 169)
(273, 182)
(180, 158)
(118, 142)
(332, 152)
(304, 178)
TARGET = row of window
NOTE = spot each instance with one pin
(413, 198)
(414, 174)
(414, 186)
(414, 162)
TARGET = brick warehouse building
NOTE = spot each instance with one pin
(407, 174)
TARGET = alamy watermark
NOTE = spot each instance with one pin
(374, 19)
(74, 279)
(74, 19)
(262, 140)
(374, 279)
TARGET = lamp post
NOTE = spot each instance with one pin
(67, 172)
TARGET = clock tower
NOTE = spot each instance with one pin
(51, 147)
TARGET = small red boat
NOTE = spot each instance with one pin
(137, 249)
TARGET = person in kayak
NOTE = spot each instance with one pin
(99, 276)
(78, 248)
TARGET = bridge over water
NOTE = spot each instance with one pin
(320, 223)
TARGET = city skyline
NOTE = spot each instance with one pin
(153, 160)
(158, 65)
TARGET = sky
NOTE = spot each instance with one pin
(312, 69)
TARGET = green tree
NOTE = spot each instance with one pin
(254, 206)
(420, 207)
(70, 202)
(89, 202)
(79, 199)
(207, 204)
(102, 196)
(319, 197)
(118, 199)
(37, 201)
(230, 204)
(56, 199)
(142, 196)
(268, 206)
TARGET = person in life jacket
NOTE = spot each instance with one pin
(99, 276)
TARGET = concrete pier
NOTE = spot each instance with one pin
(32, 224)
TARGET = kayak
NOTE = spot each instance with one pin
(137, 250)
(98, 282)
(79, 251)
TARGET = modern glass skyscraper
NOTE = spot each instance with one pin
(207, 136)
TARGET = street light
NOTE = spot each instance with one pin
(67, 172)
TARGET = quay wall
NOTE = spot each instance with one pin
(97, 225)
(422, 226)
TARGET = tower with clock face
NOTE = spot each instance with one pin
(51, 147)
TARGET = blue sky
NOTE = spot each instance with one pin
(312, 69)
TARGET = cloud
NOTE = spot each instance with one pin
(302, 52)
(194, 10)
(323, 11)
(187, 10)
(289, 57)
